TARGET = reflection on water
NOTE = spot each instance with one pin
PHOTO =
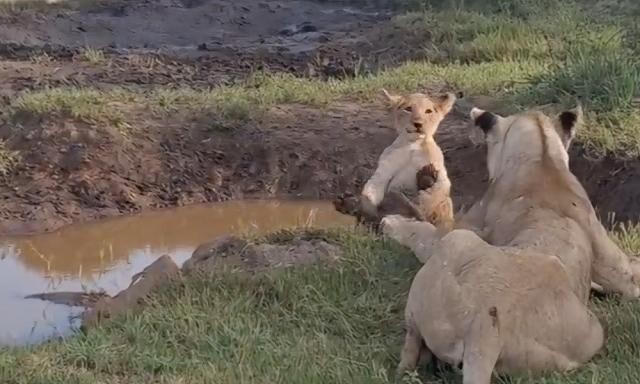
(104, 255)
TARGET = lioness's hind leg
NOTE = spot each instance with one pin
(482, 347)
(538, 358)
(572, 338)
(612, 269)
(413, 351)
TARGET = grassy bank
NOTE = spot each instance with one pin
(551, 53)
(263, 90)
(325, 324)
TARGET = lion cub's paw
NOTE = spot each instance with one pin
(426, 177)
(347, 203)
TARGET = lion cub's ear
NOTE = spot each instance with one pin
(567, 124)
(393, 100)
(445, 102)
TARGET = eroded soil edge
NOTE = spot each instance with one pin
(71, 171)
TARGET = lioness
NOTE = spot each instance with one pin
(413, 163)
(515, 300)
(535, 202)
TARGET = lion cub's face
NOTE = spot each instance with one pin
(419, 113)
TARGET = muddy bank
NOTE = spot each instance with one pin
(137, 71)
(613, 185)
(201, 43)
(178, 26)
(72, 172)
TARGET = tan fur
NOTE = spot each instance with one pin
(510, 294)
(539, 204)
(491, 308)
(416, 119)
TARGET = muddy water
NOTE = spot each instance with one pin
(105, 255)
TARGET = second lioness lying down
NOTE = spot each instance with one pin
(515, 298)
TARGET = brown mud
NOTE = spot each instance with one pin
(72, 172)
(196, 43)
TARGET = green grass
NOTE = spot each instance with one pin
(589, 49)
(321, 324)
(8, 159)
(343, 323)
(89, 105)
(91, 55)
(262, 91)
(236, 104)
(338, 323)
(525, 53)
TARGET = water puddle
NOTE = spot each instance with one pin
(105, 255)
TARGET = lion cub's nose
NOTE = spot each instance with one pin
(417, 125)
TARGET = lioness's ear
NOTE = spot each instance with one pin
(483, 119)
(567, 124)
(445, 102)
(393, 100)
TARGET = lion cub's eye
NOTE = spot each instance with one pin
(407, 109)
(429, 110)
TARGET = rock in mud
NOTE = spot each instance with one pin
(236, 252)
(72, 299)
(347, 204)
(142, 284)
(299, 252)
(304, 27)
(223, 251)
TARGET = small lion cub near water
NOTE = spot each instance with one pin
(413, 164)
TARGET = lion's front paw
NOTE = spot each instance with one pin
(347, 203)
(368, 206)
(389, 224)
(426, 177)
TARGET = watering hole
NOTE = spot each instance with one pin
(104, 255)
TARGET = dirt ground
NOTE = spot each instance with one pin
(69, 173)
(194, 42)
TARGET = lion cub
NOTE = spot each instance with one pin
(413, 165)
